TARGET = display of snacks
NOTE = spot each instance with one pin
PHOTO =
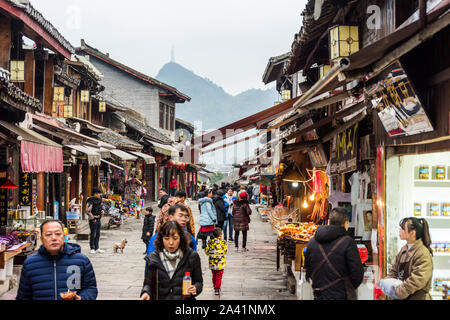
(440, 172)
(433, 209)
(445, 209)
(417, 209)
(440, 247)
(438, 284)
(424, 172)
(298, 231)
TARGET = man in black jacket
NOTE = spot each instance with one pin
(148, 227)
(95, 211)
(332, 260)
(164, 197)
(221, 210)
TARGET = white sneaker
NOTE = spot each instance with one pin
(99, 251)
(92, 251)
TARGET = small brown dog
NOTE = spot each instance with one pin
(120, 246)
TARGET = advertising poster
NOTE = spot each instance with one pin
(398, 105)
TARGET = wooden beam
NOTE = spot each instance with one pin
(345, 126)
(439, 78)
(30, 73)
(325, 102)
(300, 146)
(5, 42)
(426, 33)
(341, 114)
(48, 86)
(423, 12)
(35, 30)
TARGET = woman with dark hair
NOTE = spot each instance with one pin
(168, 264)
(411, 274)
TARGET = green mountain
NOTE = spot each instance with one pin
(210, 103)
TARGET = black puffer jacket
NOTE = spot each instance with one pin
(221, 210)
(149, 226)
(345, 260)
(171, 289)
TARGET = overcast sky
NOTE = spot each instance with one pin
(227, 41)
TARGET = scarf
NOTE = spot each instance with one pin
(170, 260)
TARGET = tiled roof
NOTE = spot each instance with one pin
(96, 53)
(310, 32)
(118, 140)
(27, 8)
(144, 129)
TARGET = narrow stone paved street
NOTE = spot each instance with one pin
(251, 275)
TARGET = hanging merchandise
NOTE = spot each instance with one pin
(321, 205)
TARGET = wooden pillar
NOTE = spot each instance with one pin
(40, 191)
(48, 86)
(30, 73)
(5, 42)
(68, 189)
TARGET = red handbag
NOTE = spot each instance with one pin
(207, 228)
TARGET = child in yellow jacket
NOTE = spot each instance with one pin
(216, 249)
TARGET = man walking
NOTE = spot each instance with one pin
(332, 260)
(56, 268)
(228, 224)
(181, 195)
(95, 212)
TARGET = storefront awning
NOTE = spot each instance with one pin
(148, 159)
(123, 155)
(165, 149)
(112, 164)
(93, 156)
(37, 153)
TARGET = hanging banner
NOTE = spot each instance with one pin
(25, 190)
(398, 105)
(344, 151)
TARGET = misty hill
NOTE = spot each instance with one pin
(210, 103)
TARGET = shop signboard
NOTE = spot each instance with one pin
(344, 151)
(396, 100)
(25, 190)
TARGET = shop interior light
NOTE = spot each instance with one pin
(305, 204)
(312, 196)
(295, 184)
(8, 185)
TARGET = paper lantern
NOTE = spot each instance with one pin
(344, 41)
(102, 106)
(58, 94)
(17, 71)
(84, 95)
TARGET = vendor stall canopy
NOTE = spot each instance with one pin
(37, 153)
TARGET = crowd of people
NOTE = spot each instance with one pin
(172, 262)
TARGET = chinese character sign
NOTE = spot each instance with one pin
(344, 151)
(25, 188)
(398, 105)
